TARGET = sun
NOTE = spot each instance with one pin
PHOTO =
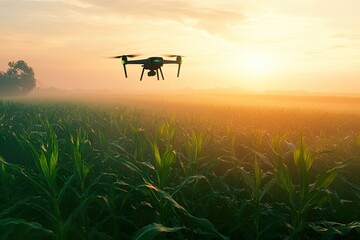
(257, 64)
(256, 69)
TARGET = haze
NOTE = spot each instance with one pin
(251, 45)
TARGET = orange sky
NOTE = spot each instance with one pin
(252, 45)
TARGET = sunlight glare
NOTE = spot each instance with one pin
(257, 64)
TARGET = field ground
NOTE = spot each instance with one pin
(180, 166)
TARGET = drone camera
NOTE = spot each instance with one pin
(151, 73)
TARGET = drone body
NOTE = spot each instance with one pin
(153, 64)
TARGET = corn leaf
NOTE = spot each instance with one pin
(152, 230)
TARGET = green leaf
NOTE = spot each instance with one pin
(204, 224)
(54, 156)
(267, 187)
(283, 178)
(18, 221)
(65, 187)
(248, 179)
(329, 229)
(303, 161)
(257, 174)
(44, 165)
(152, 230)
(325, 179)
(36, 183)
(188, 180)
(302, 156)
(157, 155)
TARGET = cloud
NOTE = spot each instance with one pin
(214, 19)
(57, 18)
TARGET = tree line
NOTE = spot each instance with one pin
(19, 79)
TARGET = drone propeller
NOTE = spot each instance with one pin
(172, 55)
(130, 56)
(124, 60)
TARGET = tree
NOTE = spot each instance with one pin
(19, 79)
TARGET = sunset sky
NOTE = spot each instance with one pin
(255, 45)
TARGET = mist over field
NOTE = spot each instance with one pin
(322, 102)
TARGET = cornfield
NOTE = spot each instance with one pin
(177, 171)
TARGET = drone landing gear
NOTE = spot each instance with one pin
(157, 74)
(142, 73)
(162, 75)
(152, 73)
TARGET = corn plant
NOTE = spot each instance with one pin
(77, 146)
(168, 131)
(46, 162)
(163, 163)
(304, 195)
(193, 148)
(257, 189)
(141, 143)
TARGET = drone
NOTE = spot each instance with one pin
(153, 64)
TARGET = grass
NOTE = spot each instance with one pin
(71, 171)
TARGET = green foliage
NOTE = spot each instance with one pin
(77, 146)
(168, 132)
(152, 230)
(303, 197)
(79, 172)
(163, 163)
(206, 227)
(141, 143)
(9, 224)
(193, 148)
(4, 177)
(329, 230)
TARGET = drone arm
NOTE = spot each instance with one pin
(170, 62)
(141, 61)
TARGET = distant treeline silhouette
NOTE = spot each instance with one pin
(19, 79)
